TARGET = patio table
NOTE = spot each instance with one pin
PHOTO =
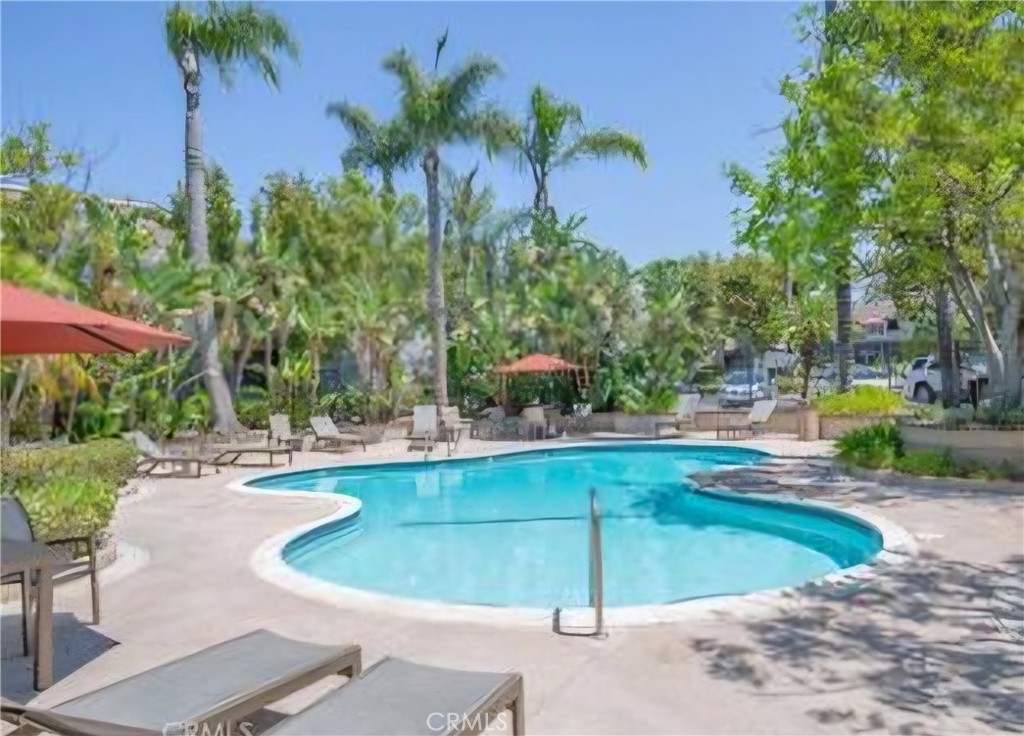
(35, 561)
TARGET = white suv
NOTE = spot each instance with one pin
(922, 380)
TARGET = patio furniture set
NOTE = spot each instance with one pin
(212, 690)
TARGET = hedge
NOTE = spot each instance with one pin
(68, 491)
(860, 400)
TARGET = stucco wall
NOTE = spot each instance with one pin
(984, 445)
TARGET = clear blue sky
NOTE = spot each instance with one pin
(698, 81)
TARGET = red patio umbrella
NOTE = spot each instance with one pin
(537, 363)
(35, 324)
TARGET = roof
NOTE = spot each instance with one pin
(537, 363)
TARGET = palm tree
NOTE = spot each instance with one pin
(375, 146)
(553, 137)
(225, 36)
(435, 110)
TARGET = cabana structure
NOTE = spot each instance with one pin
(534, 363)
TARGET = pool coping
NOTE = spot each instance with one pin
(268, 560)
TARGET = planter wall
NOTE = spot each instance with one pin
(984, 445)
(831, 428)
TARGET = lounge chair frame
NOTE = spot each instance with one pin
(329, 660)
(331, 439)
(333, 713)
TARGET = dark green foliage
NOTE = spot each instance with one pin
(926, 462)
(881, 447)
(877, 446)
(253, 411)
(1001, 415)
(69, 491)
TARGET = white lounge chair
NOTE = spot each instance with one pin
(532, 423)
(424, 426)
(329, 437)
(756, 421)
(185, 465)
(686, 414)
(281, 431)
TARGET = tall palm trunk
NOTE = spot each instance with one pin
(435, 278)
(844, 324)
(844, 300)
(224, 418)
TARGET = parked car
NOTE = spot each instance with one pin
(922, 382)
(826, 378)
(739, 387)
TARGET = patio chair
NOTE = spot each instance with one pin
(16, 526)
(281, 430)
(424, 426)
(532, 423)
(191, 466)
(686, 414)
(454, 424)
(217, 685)
(329, 437)
(489, 423)
(755, 423)
(399, 697)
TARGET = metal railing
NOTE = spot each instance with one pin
(595, 592)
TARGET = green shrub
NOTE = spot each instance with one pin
(881, 447)
(877, 446)
(859, 400)
(788, 384)
(68, 491)
(1001, 415)
(253, 413)
(926, 462)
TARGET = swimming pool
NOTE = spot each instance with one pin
(511, 530)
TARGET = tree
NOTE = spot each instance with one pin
(223, 219)
(553, 136)
(435, 110)
(226, 36)
(384, 148)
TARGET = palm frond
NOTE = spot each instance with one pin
(461, 89)
(229, 35)
(358, 121)
(404, 66)
(604, 144)
(385, 148)
(441, 42)
(498, 130)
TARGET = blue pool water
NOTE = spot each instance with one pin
(512, 530)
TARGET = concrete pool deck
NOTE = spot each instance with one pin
(933, 645)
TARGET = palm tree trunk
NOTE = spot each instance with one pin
(241, 361)
(224, 418)
(314, 384)
(435, 278)
(268, 363)
(844, 323)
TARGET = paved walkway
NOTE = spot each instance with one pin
(931, 646)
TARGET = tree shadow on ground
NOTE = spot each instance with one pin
(75, 644)
(931, 638)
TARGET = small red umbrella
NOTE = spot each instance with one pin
(537, 363)
(35, 324)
